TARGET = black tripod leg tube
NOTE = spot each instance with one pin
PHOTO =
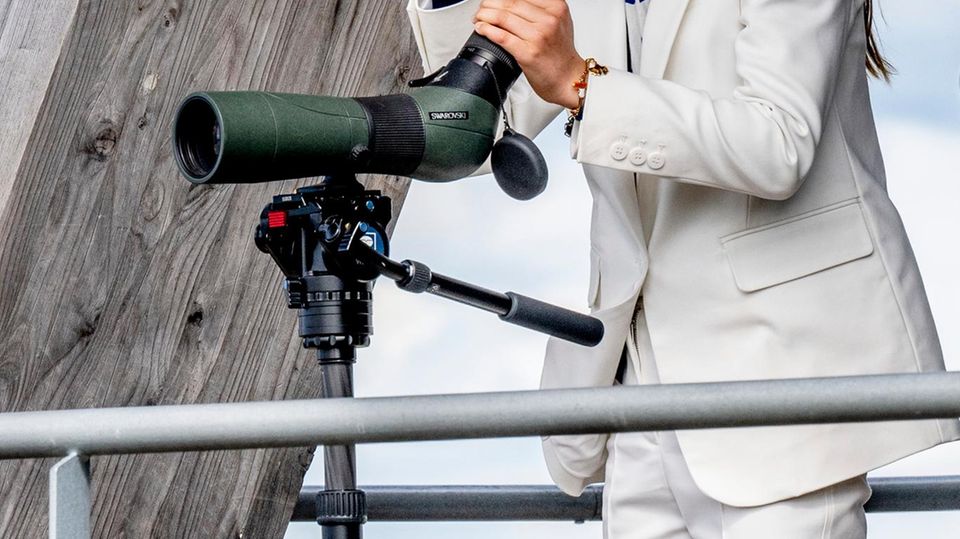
(341, 507)
(340, 461)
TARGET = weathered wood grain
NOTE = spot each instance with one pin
(31, 36)
(121, 284)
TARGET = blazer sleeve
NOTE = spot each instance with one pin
(440, 34)
(762, 140)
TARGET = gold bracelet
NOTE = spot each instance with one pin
(590, 67)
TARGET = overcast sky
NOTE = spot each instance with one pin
(472, 231)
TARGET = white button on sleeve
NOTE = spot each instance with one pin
(618, 151)
(656, 161)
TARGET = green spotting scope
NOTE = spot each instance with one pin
(442, 129)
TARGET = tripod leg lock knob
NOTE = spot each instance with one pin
(419, 278)
(341, 507)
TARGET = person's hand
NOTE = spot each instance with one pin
(539, 34)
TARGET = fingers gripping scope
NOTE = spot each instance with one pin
(441, 129)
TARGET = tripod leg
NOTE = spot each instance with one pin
(342, 508)
(340, 461)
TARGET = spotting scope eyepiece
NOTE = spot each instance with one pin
(441, 129)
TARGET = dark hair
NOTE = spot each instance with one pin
(877, 65)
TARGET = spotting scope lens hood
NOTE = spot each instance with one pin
(197, 135)
(442, 129)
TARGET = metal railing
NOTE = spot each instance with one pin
(197, 427)
(540, 502)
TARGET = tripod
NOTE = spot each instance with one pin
(329, 241)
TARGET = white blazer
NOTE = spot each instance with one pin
(739, 189)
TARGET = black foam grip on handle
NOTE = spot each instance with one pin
(552, 320)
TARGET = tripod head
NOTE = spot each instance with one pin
(308, 234)
(329, 241)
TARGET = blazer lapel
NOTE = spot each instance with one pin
(659, 33)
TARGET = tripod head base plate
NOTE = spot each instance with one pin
(309, 235)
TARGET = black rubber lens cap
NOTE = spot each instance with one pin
(518, 166)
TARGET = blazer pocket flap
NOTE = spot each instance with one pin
(769, 255)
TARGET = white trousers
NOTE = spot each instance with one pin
(650, 494)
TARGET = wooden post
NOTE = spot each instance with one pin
(122, 284)
(31, 37)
